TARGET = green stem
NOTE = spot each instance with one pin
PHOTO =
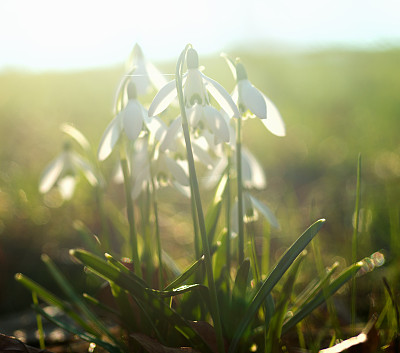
(39, 323)
(158, 238)
(354, 241)
(131, 217)
(196, 191)
(228, 217)
(240, 189)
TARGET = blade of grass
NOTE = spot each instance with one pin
(276, 274)
(355, 243)
(150, 299)
(345, 276)
(185, 275)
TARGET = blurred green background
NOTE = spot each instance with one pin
(335, 103)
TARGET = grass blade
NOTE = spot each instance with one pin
(148, 297)
(276, 274)
(185, 275)
(346, 275)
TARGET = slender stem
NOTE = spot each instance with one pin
(228, 217)
(354, 241)
(240, 189)
(39, 323)
(158, 238)
(196, 191)
(195, 220)
(131, 217)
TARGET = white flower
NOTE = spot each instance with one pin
(251, 207)
(63, 171)
(253, 175)
(249, 98)
(196, 87)
(130, 120)
(145, 75)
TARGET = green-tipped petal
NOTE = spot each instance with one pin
(252, 99)
(274, 121)
(132, 119)
(110, 138)
(163, 98)
(222, 97)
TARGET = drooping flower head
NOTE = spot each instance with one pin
(129, 119)
(196, 87)
(63, 172)
(251, 99)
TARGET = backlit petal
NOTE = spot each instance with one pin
(274, 121)
(163, 98)
(252, 99)
(67, 186)
(265, 211)
(132, 119)
(253, 173)
(222, 97)
(110, 138)
(86, 169)
(177, 171)
(51, 174)
(168, 142)
(217, 124)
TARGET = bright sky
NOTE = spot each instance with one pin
(75, 34)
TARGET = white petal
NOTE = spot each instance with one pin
(265, 211)
(132, 119)
(177, 171)
(253, 173)
(194, 88)
(156, 126)
(184, 190)
(67, 186)
(51, 174)
(163, 98)
(171, 135)
(222, 97)
(274, 121)
(156, 78)
(110, 138)
(201, 154)
(252, 99)
(86, 169)
(217, 124)
(194, 114)
(140, 182)
(215, 173)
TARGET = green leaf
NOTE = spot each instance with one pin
(284, 263)
(83, 335)
(52, 299)
(76, 299)
(149, 299)
(322, 296)
(275, 327)
(185, 275)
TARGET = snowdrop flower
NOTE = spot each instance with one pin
(162, 167)
(196, 87)
(130, 120)
(251, 209)
(249, 98)
(144, 74)
(253, 176)
(63, 171)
